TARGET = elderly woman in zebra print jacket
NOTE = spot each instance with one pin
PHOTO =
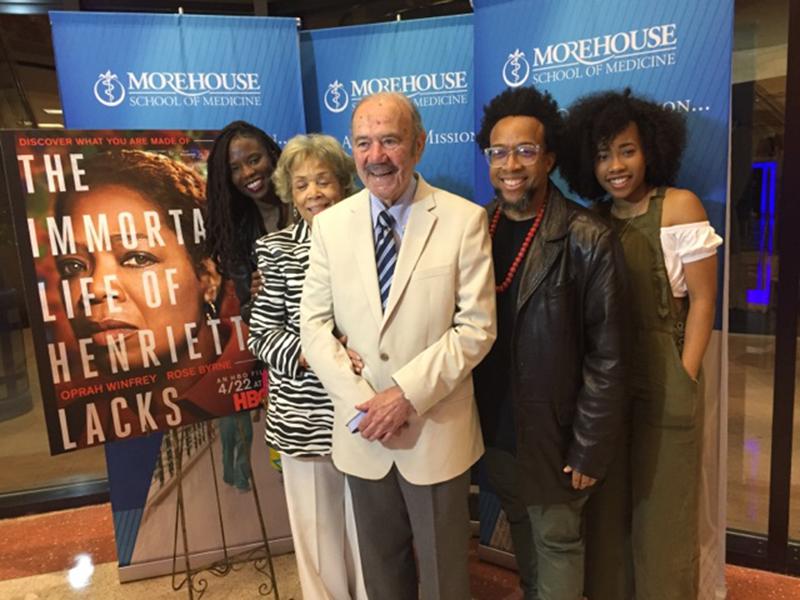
(312, 174)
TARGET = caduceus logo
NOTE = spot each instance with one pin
(108, 89)
(336, 98)
(516, 69)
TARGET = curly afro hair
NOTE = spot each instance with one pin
(523, 102)
(595, 120)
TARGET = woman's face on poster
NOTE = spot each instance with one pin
(135, 286)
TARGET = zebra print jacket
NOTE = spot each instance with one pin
(300, 413)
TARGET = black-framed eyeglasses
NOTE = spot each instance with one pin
(526, 154)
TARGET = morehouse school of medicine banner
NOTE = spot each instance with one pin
(678, 53)
(120, 293)
(429, 60)
(146, 71)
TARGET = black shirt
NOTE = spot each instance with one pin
(506, 243)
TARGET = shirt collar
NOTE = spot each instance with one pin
(400, 209)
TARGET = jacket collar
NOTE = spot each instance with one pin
(544, 250)
(420, 224)
(555, 225)
(421, 220)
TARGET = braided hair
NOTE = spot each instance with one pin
(231, 213)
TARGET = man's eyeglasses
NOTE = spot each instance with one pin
(526, 154)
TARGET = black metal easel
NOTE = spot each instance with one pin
(190, 576)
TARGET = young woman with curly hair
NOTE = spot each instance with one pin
(626, 155)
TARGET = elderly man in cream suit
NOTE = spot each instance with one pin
(413, 292)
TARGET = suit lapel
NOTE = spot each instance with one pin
(364, 251)
(419, 226)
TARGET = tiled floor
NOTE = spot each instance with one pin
(38, 560)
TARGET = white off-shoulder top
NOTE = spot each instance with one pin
(686, 243)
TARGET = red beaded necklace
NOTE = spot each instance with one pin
(512, 270)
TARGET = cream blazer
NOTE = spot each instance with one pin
(438, 325)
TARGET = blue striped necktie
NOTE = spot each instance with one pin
(385, 254)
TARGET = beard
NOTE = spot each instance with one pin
(521, 208)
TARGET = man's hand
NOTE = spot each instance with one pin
(355, 358)
(301, 360)
(387, 412)
(579, 480)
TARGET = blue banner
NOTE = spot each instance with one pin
(677, 53)
(429, 60)
(138, 71)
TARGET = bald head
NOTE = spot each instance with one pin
(401, 101)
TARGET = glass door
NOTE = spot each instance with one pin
(763, 297)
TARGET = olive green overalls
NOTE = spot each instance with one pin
(667, 421)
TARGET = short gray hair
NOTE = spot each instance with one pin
(316, 146)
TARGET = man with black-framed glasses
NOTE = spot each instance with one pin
(550, 393)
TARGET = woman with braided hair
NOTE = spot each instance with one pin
(242, 207)
(242, 204)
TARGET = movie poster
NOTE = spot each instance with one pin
(135, 331)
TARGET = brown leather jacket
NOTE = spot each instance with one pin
(566, 368)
